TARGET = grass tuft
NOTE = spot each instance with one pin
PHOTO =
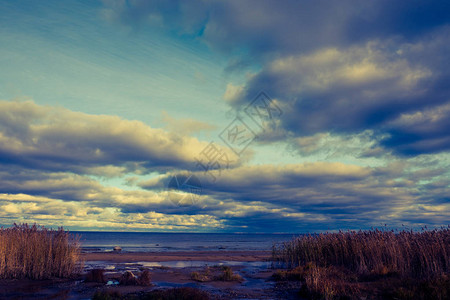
(228, 275)
(218, 273)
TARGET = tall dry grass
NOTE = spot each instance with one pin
(36, 252)
(420, 254)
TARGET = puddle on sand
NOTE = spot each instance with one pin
(112, 282)
(98, 264)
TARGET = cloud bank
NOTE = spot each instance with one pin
(363, 87)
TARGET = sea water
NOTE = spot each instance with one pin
(163, 242)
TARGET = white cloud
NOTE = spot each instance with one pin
(52, 138)
(358, 66)
(233, 93)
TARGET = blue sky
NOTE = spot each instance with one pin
(102, 103)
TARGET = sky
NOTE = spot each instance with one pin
(225, 116)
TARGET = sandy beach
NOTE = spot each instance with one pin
(208, 256)
(168, 269)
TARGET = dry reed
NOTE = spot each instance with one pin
(407, 253)
(36, 252)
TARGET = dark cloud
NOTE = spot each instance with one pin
(55, 198)
(419, 132)
(330, 195)
(340, 67)
(63, 186)
(289, 27)
(304, 26)
(370, 86)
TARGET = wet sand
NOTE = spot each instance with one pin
(251, 266)
(210, 256)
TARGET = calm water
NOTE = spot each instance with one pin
(158, 242)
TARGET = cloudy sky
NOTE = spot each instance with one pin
(271, 116)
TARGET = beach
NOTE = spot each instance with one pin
(175, 269)
(207, 256)
(168, 270)
(193, 260)
(307, 267)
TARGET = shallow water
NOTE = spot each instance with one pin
(108, 266)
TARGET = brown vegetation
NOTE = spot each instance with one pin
(36, 252)
(228, 275)
(407, 253)
(128, 278)
(219, 273)
(377, 264)
(96, 275)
